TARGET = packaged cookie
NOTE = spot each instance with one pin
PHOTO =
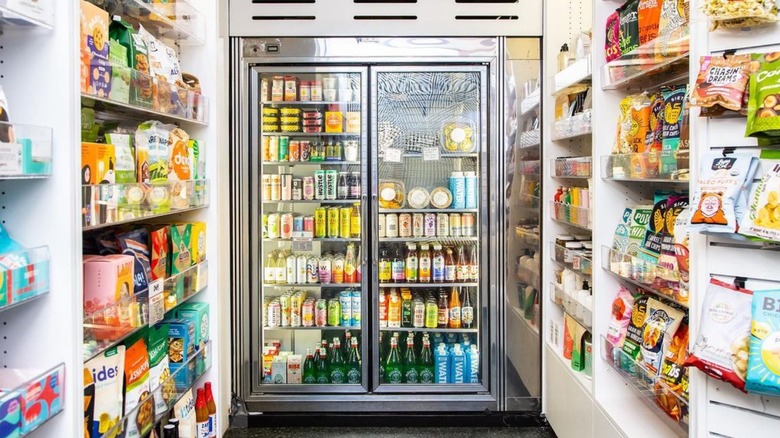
(739, 14)
(722, 81)
(764, 102)
(718, 191)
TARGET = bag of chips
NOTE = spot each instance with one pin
(612, 41)
(634, 331)
(764, 103)
(722, 81)
(660, 326)
(107, 371)
(730, 14)
(763, 215)
(629, 27)
(620, 317)
(763, 374)
(673, 375)
(721, 348)
(649, 16)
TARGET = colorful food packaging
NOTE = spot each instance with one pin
(674, 375)
(764, 101)
(655, 130)
(660, 326)
(89, 402)
(141, 84)
(160, 262)
(198, 242)
(681, 243)
(179, 155)
(722, 81)
(181, 347)
(163, 388)
(120, 73)
(612, 41)
(629, 27)
(152, 153)
(94, 41)
(107, 371)
(740, 14)
(649, 12)
(139, 404)
(763, 375)
(674, 103)
(668, 257)
(620, 317)
(636, 136)
(718, 190)
(124, 153)
(135, 243)
(651, 244)
(181, 248)
(672, 21)
(634, 333)
(97, 164)
(721, 348)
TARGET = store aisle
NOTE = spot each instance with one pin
(392, 432)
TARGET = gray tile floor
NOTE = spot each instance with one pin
(390, 432)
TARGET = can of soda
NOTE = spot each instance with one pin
(305, 147)
(266, 150)
(345, 219)
(273, 226)
(345, 300)
(297, 189)
(320, 222)
(286, 186)
(455, 227)
(334, 312)
(284, 301)
(333, 222)
(301, 275)
(391, 225)
(307, 313)
(276, 187)
(442, 225)
(266, 187)
(321, 312)
(331, 184)
(284, 148)
(418, 225)
(274, 314)
(273, 148)
(295, 310)
(319, 185)
(308, 224)
(295, 150)
(325, 273)
(356, 312)
(430, 225)
(265, 225)
(405, 225)
(298, 223)
(312, 270)
(467, 225)
(308, 188)
(286, 226)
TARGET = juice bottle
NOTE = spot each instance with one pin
(406, 308)
(444, 310)
(425, 264)
(398, 273)
(355, 221)
(411, 263)
(201, 416)
(431, 314)
(455, 312)
(450, 267)
(474, 264)
(358, 267)
(438, 264)
(382, 308)
(281, 268)
(269, 270)
(467, 310)
(350, 269)
(338, 268)
(462, 272)
(394, 309)
(385, 266)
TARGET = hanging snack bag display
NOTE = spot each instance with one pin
(660, 326)
(674, 376)
(722, 82)
(764, 102)
(612, 41)
(763, 374)
(721, 348)
(629, 27)
(620, 317)
(738, 14)
(718, 191)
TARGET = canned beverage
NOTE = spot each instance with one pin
(319, 184)
(301, 275)
(266, 300)
(274, 314)
(284, 301)
(273, 148)
(297, 189)
(264, 224)
(308, 224)
(418, 314)
(312, 270)
(331, 184)
(391, 225)
(418, 225)
(286, 186)
(321, 312)
(295, 150)
(455, 227)
(320, 222)
(381, 225)
(442, 225)
(284, 148)
(266, 150)
(334, 312)
(467, 225)
(405, 225)
(305, 147)
(333, 222)
(295, 310)
(354, 185)
(298, 223)
(346, 219)
(308, 188)
(356, 312)
(345, 300)
(276, 187)
(266, 187)
(286, 226)
(325, 273)
(430, 225)
(307, 313)
(273, 225)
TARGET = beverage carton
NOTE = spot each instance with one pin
(441, 360)
(294, 368)
(458, 365)
(279, 369)
(473, 364)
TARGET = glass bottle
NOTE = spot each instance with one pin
(350, 268)
(382, 308)
(321, 366)
(201, 415)
(212, 406)
(354, 370)
(393, 371)
(355, 223)
(281, 268)
(411, 263)
(410, 362)
(394, 309)
(425, 264)
(382, 357)
(385, 266)
(467, 310)
(444, 309)
(309, 375)
(406, 308)
(338, 373)
(455, 311)
(474, 263)
(425, 368)
(359, 267)
(269, 270)
(438, 265)
(450, 267)
(398, 272)
(462, 271)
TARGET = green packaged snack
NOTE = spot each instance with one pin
(632, 344)
(163, 388)
(120, 73)
(629, 27)
(181, 257)
(137, 59)
(124, 150)
(674, 103)
(764, 102)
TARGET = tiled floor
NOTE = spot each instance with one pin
(388, 432)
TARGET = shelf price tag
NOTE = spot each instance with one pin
(431, 154)
(302, 244)
(156, 302)
(393, 155)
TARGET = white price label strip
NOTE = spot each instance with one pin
(430, 154)
(301, 245)
(393, 155)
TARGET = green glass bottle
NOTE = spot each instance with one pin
(410, 362)
(354, 369)
(393, 367)
(382, 357)
(338, 371)
(309, 375)
(425, 368)
(321, 367)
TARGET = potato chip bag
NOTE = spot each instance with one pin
(660, 326)
(629, 27)
(649, 16)
(620, 317)
(633, 341)
(763, 215)
(137, 394)
(721, 348)
(612, 41)
(763, 375)
(764, 102)
(722, 81)
(673, 375)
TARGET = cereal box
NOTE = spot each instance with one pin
(198, 313)
(159, 367)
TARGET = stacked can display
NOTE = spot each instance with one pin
(295, 308)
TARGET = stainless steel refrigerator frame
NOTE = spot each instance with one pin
(430, 53)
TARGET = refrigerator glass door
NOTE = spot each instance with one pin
(430, 184)
(310, 143)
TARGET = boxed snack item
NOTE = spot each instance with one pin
(198, 313)
(198, 242)
(179, 150)
(294, 368)
(107, 371)
(124, 152)
(97, 164)
(120, 73)
(181, 248)
(164, 390)
(137, 392)
(107, 280)
(160, 263)
(181, 347)
(94, 36)
(334, 121)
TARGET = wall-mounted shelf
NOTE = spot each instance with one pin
(665, 167)
(578, 125)
(178, 21)
(26, 16)
(26, 151)
(30, 398)
(645, 274)
(578, 217)
(662, 61)
(25, 276)
(578, 73)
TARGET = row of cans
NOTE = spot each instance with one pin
(427, 225)
(325, 185)
(332, 222)
(280, 148)
(295, 309)
(288, 268)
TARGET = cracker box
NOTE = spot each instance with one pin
(198, 314)
(279, 369)
(98, 162)
(294, 368)
(181, 248)
(181, 348)
(198, 242)
(107, 280)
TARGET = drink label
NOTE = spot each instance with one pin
(467, 315)
(203, 429)
(426, 375)
(411, 376)
(394, 376)
(449, 273)
(398, 271)
(213, 425)
(425, 269)
(438, 269)
(353, 375)
(455, 315)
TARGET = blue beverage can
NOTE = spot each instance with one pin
(356, 315)
(345, 299)
(298, 223)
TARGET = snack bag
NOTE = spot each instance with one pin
(649, 12)
(137, 394)
(141, 87)
(124, 152)
(629, 27)
(160, 262)
(163, 60)
(620, 317)
(107, 371)
(738, 14)
(681, 242)
(763, 375)
(151, 143)
(717, 191)
(655, 132)
(636, 136)
(673, 374)
(634, 332)
(179, 150)
(672, 25)
(660, 326)
(120, 74)
(722, 81)
(653, 235)
(163, 388)
(763, 215)
(668, 256)
(136, 243)
(612, 41)
(721, 348)
(764, 102)
(674, 103)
